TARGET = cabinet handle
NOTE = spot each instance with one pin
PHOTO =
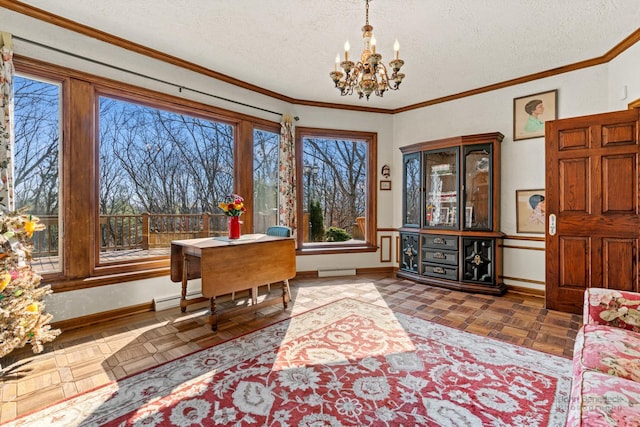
(439, 255)
(438, 270)
(439, 241)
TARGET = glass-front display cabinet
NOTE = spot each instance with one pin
(450, 234)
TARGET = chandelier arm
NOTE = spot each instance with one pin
(355, 77)
(383, 85)
(393, 82)
(351, 78)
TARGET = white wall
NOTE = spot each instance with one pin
(624, 79)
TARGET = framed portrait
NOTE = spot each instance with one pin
(530, 211)
(531, 112)
(385, 185)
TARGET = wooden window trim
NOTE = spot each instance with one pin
(371, 139)
(79, 188)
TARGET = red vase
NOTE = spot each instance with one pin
(234, 227)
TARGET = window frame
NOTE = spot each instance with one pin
(79, 184)
(371, 139)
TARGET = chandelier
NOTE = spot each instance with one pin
(368, 75)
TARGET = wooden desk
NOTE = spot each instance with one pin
(227, 266)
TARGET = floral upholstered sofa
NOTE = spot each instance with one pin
(606, 361)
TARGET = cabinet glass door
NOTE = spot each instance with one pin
(478, 169)
(411, 185)
(441, 184)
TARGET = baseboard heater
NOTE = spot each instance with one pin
(171, 301)
(330, 272)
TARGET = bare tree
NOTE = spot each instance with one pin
(341, 179)
(265, 178)
(37, 138)
(158, 161)
(171, 163)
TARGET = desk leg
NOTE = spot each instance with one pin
(254, 296)
(285, 293)
(288, 290)
(213, 318)
(183, 296)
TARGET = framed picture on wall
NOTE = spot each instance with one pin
(531, 112)
(530, 211)
(385, 185)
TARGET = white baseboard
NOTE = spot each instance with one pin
(172, 301)
(330, 272)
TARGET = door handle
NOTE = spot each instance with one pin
(552, 225)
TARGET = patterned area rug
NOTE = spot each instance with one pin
(348, 363)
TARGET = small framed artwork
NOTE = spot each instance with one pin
(530, 211)
(531, 112)
(385, 185)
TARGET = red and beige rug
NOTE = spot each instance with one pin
(348, 363)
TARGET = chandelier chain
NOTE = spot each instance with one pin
(367, 13)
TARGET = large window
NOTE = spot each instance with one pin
(162, 175)
(336, 188)
(37, 112)
(137, 169)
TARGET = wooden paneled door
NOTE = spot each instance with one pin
(592, 189)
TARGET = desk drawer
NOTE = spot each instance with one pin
(430, 255)
(440, 241)
(441, 271)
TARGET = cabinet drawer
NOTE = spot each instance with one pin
(431, 255)
(441, 271)
(440, 241)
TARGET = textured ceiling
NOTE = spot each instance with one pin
(289, 47)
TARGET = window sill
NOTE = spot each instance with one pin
(90, 282)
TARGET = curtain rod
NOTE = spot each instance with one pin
(180, 87)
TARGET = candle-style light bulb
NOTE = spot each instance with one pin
(337, 61)
(396, 48)
(373, 44)
(346, 50)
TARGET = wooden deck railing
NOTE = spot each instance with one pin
(145, 231)
(158, 230)
(45, 242)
